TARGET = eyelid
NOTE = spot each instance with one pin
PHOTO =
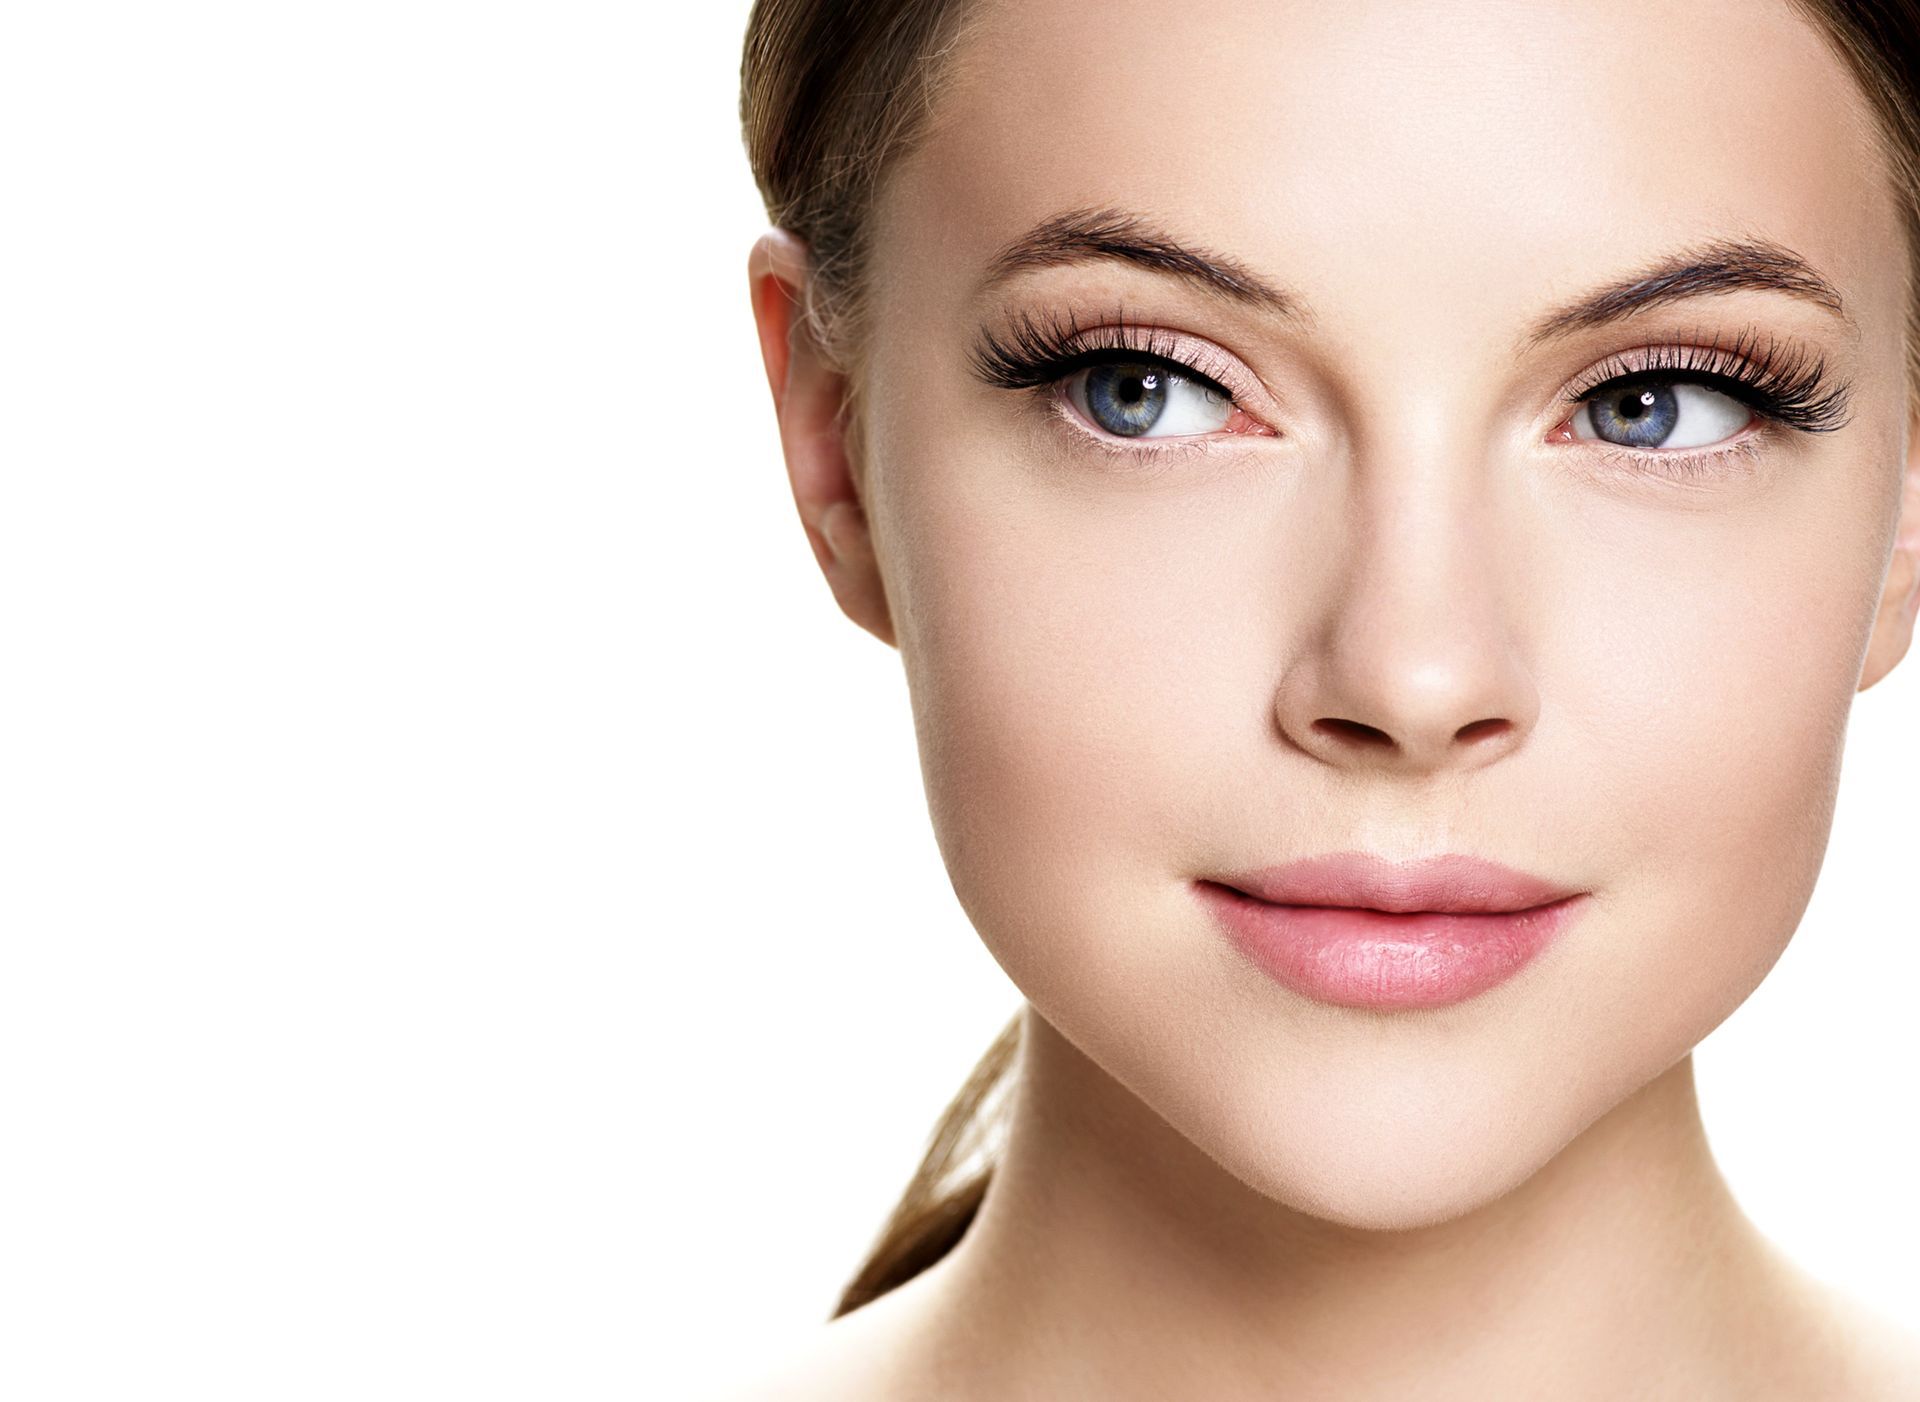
(1741, 391)
(1120, 355)
(1192, 357)
(1786, 382)
(1037, 351)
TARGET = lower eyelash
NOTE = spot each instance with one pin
(1680, 466)
(1151, 455)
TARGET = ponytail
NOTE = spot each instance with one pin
(946, 1190)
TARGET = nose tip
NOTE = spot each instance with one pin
(1414, 616)
(1382, 713)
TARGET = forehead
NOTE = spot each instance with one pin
(1475, 151)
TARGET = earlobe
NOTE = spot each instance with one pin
(810, 402)
(1900, 599)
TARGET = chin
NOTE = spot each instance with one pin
(1380, 1153)
(1381, 1194)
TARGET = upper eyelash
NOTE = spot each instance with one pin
(1036, 353)
(1788, 386)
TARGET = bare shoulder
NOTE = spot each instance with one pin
(1859, 1352)
(1886, 1355)
(870, 1355)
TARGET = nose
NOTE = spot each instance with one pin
(1416, 654)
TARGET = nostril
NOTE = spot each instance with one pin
(1353, 730)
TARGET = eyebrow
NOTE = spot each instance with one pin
(1092, 235)
(1702, 269)
(1706, 268)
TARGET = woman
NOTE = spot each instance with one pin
(1384, 509)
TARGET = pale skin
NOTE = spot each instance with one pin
(1391, 606)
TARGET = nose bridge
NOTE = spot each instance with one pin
(1416, 662)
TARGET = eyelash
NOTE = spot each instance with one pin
(1788, 388)
(1038, 355)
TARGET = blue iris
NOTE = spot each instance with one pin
(1640, 417)
(1126, 399)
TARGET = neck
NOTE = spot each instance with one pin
(1111, 1251)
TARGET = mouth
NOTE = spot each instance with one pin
(1354, 930)
(1453, 883)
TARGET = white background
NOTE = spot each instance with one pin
(471, 925)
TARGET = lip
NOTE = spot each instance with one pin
(1355, 930)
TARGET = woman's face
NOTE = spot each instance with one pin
(1403, 597)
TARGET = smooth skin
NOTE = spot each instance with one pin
(1406, 616)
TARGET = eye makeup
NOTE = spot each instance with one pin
(1784, 385)
(1038, 351)
(1789, 385)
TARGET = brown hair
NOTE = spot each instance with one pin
(832, 94)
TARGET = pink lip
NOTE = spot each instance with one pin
(1358, 931)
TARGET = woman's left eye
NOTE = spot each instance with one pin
(1660, 414)
(1147, 399)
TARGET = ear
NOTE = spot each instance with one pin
(809, 399)
(1900, 600)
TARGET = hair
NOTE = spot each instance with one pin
(832, 96)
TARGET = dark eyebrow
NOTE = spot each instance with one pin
(1702, 269)
(1085, 235)
(1717, 265)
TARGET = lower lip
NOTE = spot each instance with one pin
(1373, 959)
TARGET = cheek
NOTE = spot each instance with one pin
(1082, 685)
(1712, 688)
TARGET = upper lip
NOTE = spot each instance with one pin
(1451, 883)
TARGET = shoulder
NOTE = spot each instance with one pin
(873, 1354)
(1850, 1350)
(1884, 1355)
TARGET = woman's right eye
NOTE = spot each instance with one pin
(1147, 399)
